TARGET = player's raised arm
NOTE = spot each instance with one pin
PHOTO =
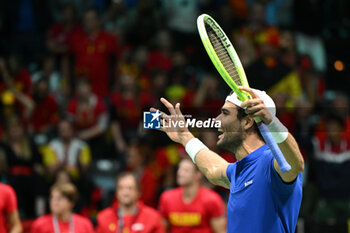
(209, 163)
(286, 142)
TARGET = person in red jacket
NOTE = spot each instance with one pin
(62, 219)
(128, 214)
(8, 210)
(94, 50)
(192, 207)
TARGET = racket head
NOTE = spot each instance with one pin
(222, 54)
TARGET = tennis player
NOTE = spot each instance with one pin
(262, 198)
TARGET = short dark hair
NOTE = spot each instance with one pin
(241, 113)
(333, 117)
(126, 174)
(67, 190)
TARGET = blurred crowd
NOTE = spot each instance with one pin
(76, 76)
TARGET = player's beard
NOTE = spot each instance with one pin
(232, 141)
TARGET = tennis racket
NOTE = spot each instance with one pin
(227, 63)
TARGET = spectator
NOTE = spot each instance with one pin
(180, 17)
(45, 113)
(207, 98)
(89, 115)
(62, 219)
(128, 102)
(19, 76)
(309, 21)
(57, 85)
(92, 50)
(332, 149)
(137, 159)
(67, 153)
(332, 170)
(191, 207)
(39, 110)
(339, 105)
(245, 48)
(60, 33)
(24, 167)
(142, 22)
(15, 88)
(161, 56)
(128, 214)
(8, 210)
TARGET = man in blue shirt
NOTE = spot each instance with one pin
(262, 198)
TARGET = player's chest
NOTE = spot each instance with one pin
(129, 224)
(247, 189)
(183, 214)
(247, 180)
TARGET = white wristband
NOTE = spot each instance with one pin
(193, 147)
(278, 131)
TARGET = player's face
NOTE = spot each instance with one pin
(186, 173)
(59, 203)
(127, 191)
(231, 130)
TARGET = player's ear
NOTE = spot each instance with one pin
(248, 123)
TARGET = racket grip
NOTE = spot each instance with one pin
(276, 151)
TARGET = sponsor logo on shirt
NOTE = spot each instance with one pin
(185, 219)
(138, 227)
(248, 183)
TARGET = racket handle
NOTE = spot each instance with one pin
(276, 151)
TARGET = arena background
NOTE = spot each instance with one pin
(298, 51)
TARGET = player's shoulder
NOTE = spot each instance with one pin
(5, 187)
(209, 195)
(171, 193)
(107, 212)
(6, 190)
(265, 155)
(148, 211)
(83, 221)
(42, 221)
(80, 218)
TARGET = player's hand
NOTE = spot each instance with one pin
(255, 107)
(170, 124)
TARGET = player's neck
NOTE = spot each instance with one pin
(128, 209)
(64, 216)
(250, 144)
(190, 192)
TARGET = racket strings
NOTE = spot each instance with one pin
(223, 55)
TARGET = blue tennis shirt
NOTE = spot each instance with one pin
(259, 200)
